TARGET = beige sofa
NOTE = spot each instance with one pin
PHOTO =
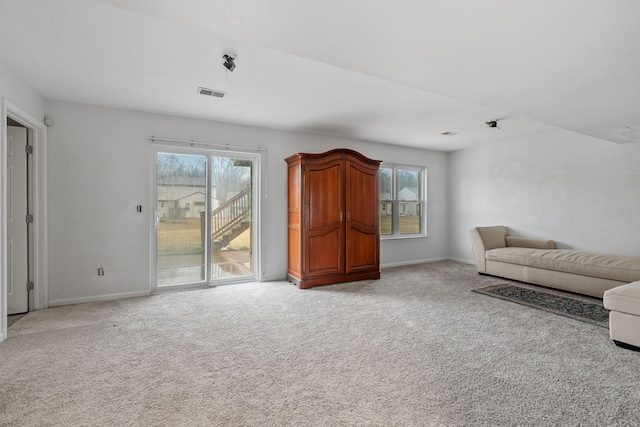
(536, 261)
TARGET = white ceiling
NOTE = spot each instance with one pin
(400, 72)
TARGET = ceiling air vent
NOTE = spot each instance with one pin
(211, 92)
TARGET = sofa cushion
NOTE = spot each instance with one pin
(624, 298)
(612, 267)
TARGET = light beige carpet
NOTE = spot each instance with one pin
(416, 348)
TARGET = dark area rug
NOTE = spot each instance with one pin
(578, 307)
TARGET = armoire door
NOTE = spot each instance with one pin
(362, 231)
(324, 211)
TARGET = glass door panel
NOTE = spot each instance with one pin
(180, 216)
(231, 218)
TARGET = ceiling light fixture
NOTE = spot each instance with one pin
(229, 63)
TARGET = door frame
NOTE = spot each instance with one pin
(257, 156)
(37, 131)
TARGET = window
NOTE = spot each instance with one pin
(402, 198)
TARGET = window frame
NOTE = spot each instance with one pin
(395, 201)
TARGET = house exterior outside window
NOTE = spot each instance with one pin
(402, 201)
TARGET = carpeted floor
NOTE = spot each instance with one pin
(416, 348)
(14, 318)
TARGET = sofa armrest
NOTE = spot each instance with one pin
(484, 239)
(478, 250)
(524, 242)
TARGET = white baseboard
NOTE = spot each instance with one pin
(97, 298)
(417, 261)
(123, 295)
(273, 278)
(465, 261)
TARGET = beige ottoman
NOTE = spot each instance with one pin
(624, 319)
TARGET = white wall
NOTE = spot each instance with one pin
(582, 192)
(99, 170)
(18, 92)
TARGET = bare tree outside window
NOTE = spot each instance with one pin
(229, 177)
(186, 232)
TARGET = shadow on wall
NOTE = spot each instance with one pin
(561, 245)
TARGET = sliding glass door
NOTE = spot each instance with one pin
(204, 217)
(181, 202)
(231, 218)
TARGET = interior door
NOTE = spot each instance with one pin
(17, 238)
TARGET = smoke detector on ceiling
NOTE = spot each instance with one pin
(211, 92)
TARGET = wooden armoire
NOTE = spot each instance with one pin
(334, 231)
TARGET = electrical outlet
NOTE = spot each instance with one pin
(100, 271)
